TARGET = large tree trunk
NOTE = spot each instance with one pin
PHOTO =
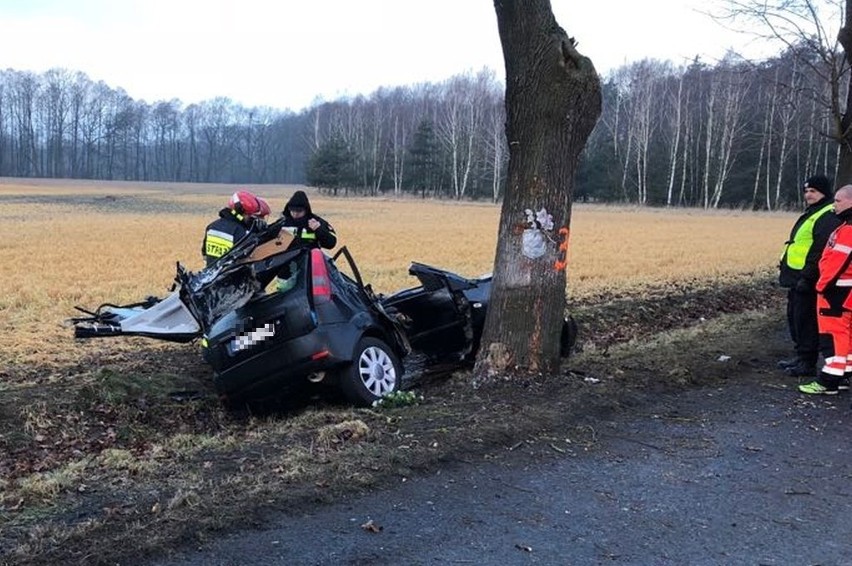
(553, 99)
(844, 164)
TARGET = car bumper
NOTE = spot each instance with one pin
(269, 369)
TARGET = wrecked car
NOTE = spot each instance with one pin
(320, 324)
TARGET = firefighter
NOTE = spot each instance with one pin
(308, 229)
(245, 212)
(799, 271)
(834, 303)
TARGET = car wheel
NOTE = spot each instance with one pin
(374, 373)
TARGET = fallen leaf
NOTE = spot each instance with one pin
(16, 506)
(371, 527)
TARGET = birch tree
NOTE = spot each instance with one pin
(733, 92)
(675, 126)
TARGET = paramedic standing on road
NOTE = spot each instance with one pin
(834, 303)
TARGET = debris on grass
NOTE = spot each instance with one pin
(342, 432)
(398, 399)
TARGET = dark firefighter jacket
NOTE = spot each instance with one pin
(222, 234)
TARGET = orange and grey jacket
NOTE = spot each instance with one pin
(835, 266)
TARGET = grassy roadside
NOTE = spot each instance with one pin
(141, 456)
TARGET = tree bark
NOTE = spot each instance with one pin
(844, 162)
(553, 100)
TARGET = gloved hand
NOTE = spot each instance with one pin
(803, 286)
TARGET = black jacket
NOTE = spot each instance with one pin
(221, 235)
(823, 227)
(322, 237)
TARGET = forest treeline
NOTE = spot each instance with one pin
(733, 134)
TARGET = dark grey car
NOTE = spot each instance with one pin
(322, 324)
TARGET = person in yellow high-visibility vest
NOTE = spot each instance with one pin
(799, 273)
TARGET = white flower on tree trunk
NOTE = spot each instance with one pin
(541, 220)
(535, 237)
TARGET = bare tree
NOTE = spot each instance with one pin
(787, 103)
(495, 123)
(398, 141)
(459, 126)
(732, 94)
(553, 100)
(765, 143)
(801, 26)
(844, 118)
(377, 150)
(614, 121)
(676, 127)
(23, 94)
(643, 124)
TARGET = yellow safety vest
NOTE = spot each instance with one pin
(796, 251)
(303, 234)
(218, 243)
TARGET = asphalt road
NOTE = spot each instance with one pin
(752, 473)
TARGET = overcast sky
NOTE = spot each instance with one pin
(287, 53)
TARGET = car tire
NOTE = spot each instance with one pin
(374, 372)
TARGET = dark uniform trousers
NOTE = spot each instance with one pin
(802, 322)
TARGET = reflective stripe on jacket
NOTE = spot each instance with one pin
(299, 233)
(221, 235)
(218, 243)
(323, 237)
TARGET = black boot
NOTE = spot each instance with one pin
(801, 369)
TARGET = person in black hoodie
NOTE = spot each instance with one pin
(308, 229)
(799, 273)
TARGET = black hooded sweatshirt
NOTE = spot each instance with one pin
(322, 237)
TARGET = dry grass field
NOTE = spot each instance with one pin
(93, 447)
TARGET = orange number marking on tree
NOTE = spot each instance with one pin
(562, 262)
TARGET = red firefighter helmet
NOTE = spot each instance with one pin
(244, 202)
